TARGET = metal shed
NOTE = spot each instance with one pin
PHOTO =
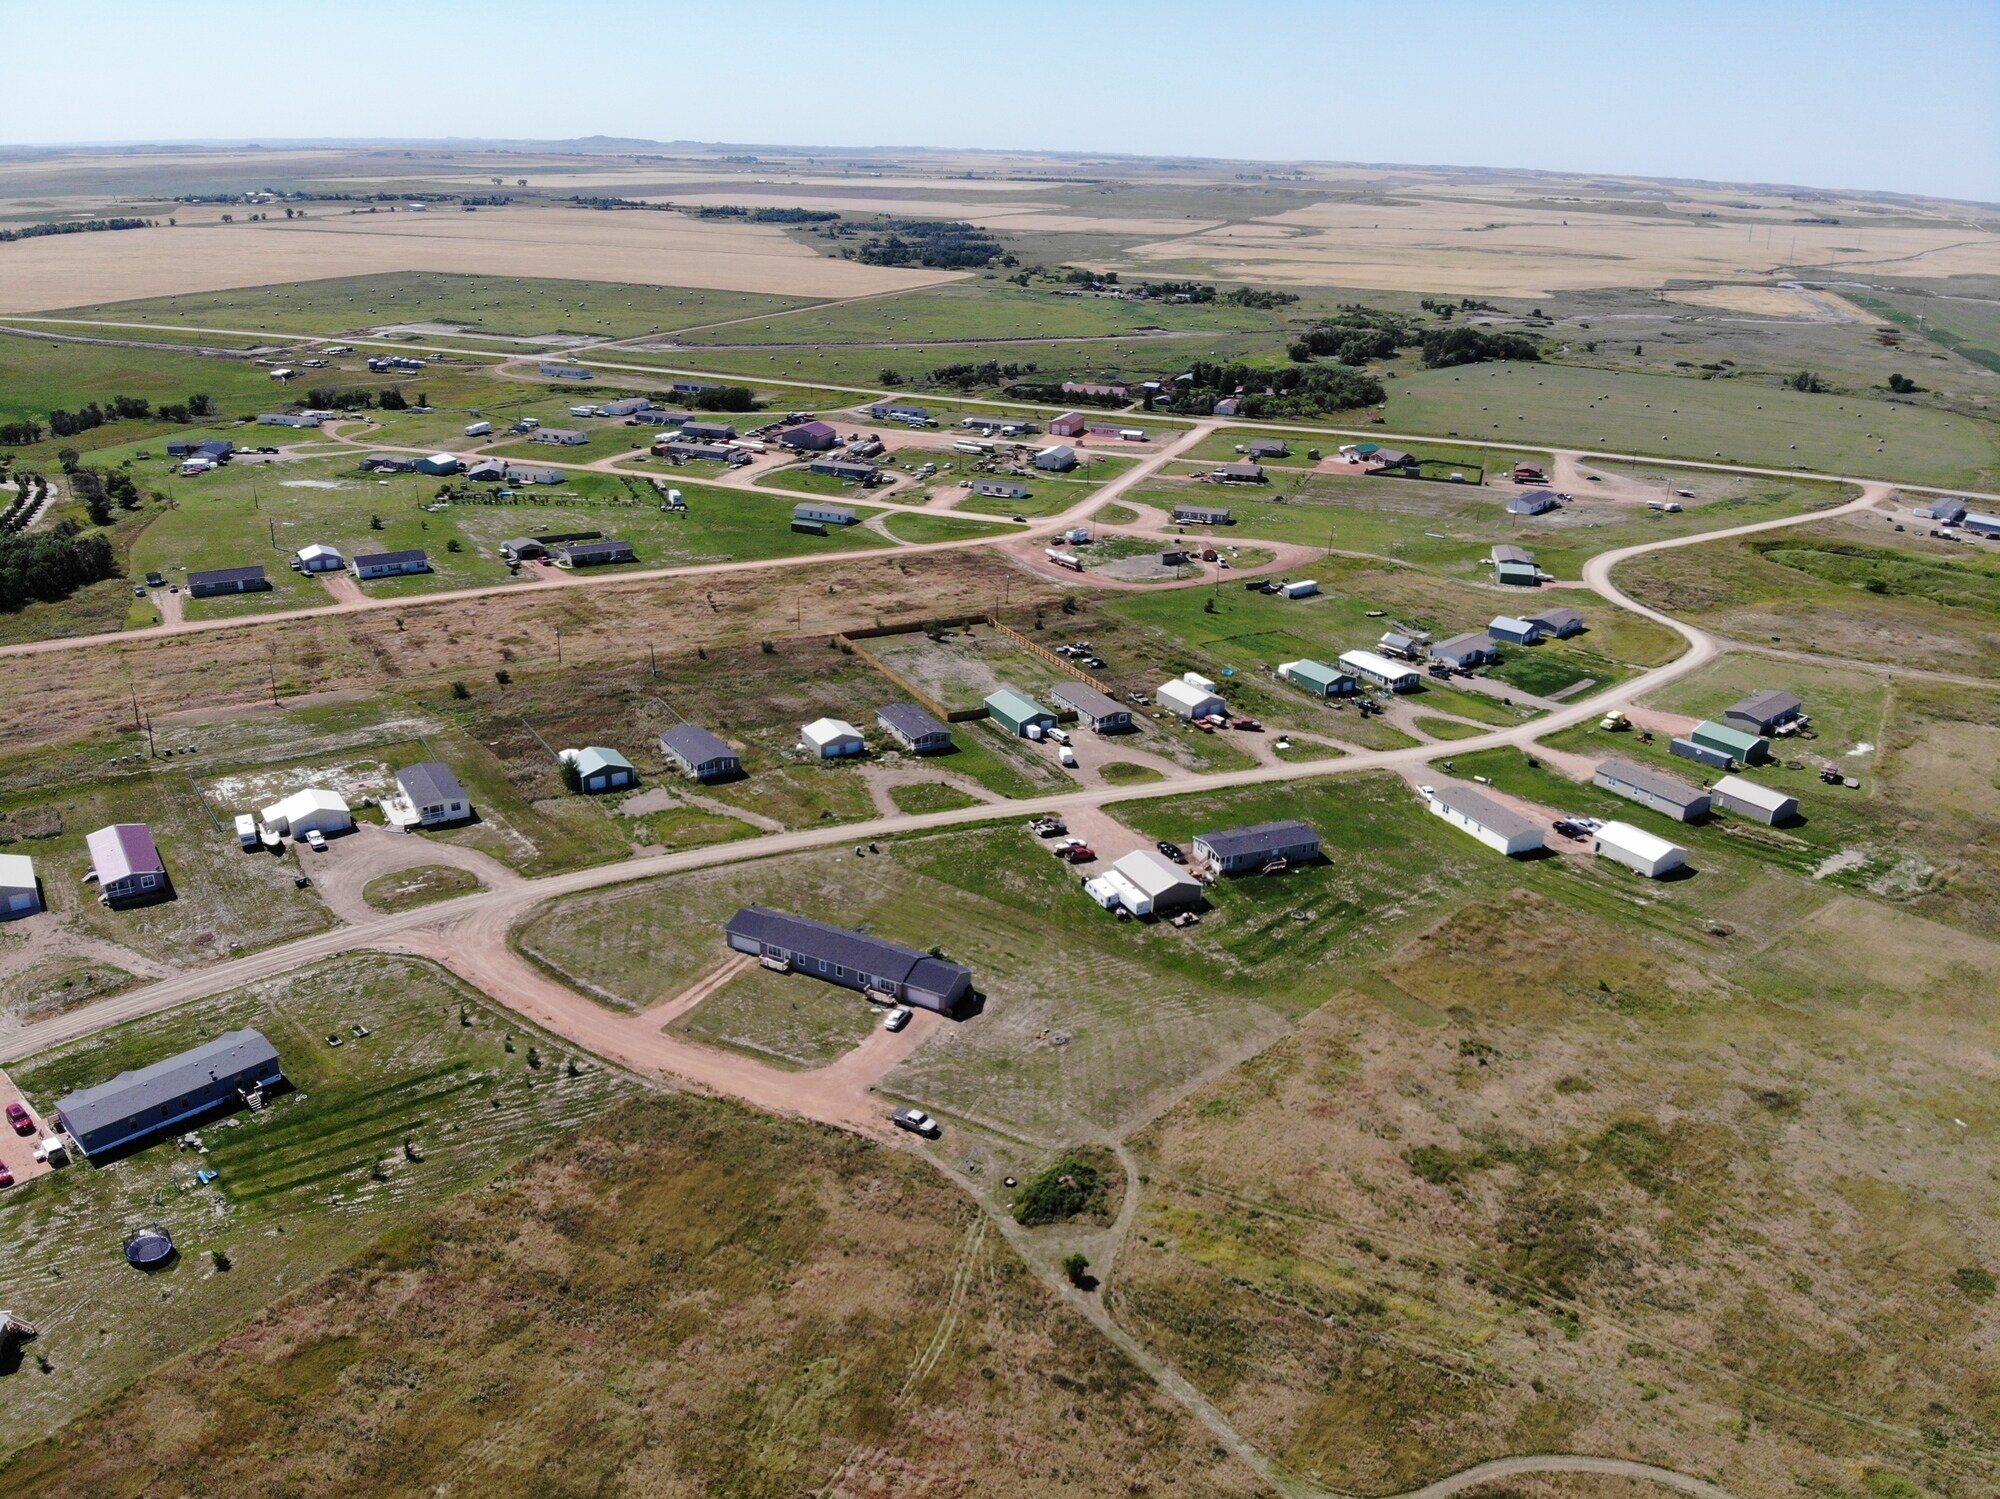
(1318, 678)
(1751, 749)
(601, 769)
(833, 738)
(1016, 711)
(1638, 849)
(20, 890)
(1759, 803)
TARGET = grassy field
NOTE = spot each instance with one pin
(781, 1019)
(301, 1187)
(420, 885)
(1738, 421)
(696, 1297)
(920, 529)
(511, 307)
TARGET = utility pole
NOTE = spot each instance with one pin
(653, 656)
(274, 534)
(135, 705)
(559, 645)
(150, 749)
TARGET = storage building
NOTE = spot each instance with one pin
(1016, 712)
(1701, 754)
(390, 564)
(600, 769)
(1764, 712)
(1153, 885)
(1561, 622)
(1751, 749)
(1103, 714)
(1188, 700)
(1651, 788)
(1001, 489)
(1516, 631)
(1059, 459)
(207, 584)
(809, 437)
(318, 559)
(126, 864)
(914, 729)
(20, 890)
(1248, 849)
(700, 753)
(429, 796)
(1408, 647)
(1203, 515)
(1981, 525)
(867, 475)
(1638, 849)
(1746, 798)
(708, 431)
(438, 463)
(1515, 565)
(155, 1100)
(1380, 671)
(833, 738)
(1318, 678)
(824, 514)
(1946, 512)
(314, 810)
(1069, 424)
(1462, 651)
(853, 960)
(1497, 827)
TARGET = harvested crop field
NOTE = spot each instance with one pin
(570, 244)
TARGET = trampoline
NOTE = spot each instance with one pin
(149, 1248)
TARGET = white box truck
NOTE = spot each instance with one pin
(479, 429)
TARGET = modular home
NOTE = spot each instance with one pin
(1237, 473)
(1498, 827)
(598, 553)
(1017, 712)
(388, 463)
(1638, 849)
(1104, 715)
(1001, 489)
(825, 515)
(1202, 515)
(391, 564)
(1380, 671)
(1244, 849)
(914, 729)
(1765, 712)
(1650, 788)
(700, 753)
(561, 437)
(429, 796)
(151, 1101)
(600, 769)
(1462, 651)
(867, 475)
(126, 865)
(853, 960)
(708, 432)
(208, 584)
(1561, 622)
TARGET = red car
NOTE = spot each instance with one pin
(1079, 853)
(18, 1116)
(6, 1177)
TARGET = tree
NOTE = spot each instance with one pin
(1808, 382)
(1903, 385)
(890, 377)
(1077, 1268)
(392, 399)
(199, 405)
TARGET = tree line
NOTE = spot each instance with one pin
(21, 434)
(44, 566)
(1297, 391)
(75, 226)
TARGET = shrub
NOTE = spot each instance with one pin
(1068, 1187)
(460, 690)
(1077, 1268)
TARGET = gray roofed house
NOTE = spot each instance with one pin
(912, 727)
(1233, 850)
(1103, 714)
(854, 960)
(1496, 826)
(1561, 622)
(487, 471)
(1203, 515)
(1948, 512)
(1650, 788)
(594, 553)
(1268, 447)
(389, 463)
(216, 580)
(152, 1100)
(434, 793)
(700, 753)
(1238, 473)
(391, 564)
(867, 475)
(1461, 651)
(708, 431)
(1761, 712)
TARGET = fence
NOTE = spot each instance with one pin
(1061, 663)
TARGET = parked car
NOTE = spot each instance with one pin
(1048, 827)
(1172, 851)
(316, 840)
(916, 1121)
(19, 1117)
(6, 1177)
(896, 1019)
(1077, 853)
(1569, 829)
(1250, 724)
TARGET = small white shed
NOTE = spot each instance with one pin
(832, 738)
(20, 894)
(318, 558)
(1638, 849)
(313, 810)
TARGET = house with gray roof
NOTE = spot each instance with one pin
(1761, 713)
(914, 729)
(1104, 715)
(854, 960)
(1560, 622)
(151, 1101)
(1665, 794)
(1463, 651)
(1237, 850)
(700, 753)
(212, 581)
(433, 793)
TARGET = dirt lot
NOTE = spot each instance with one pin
(649, 249)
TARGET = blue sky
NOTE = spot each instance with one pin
(1900, 97)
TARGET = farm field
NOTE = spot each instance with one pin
(1740, 421)
(514, 309)
(302, 1186)
(671, 1224)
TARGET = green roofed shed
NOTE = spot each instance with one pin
(1015, 711)
(1751, 749)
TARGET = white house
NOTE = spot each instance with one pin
(1652, 856)
(427, 795)
(1397, 676)
(20, 893)
(1500, 828)
(1188, 700)
(832, 738)
(312, 810)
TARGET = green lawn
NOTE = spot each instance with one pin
(926, 528)
(301, 1186)
(1742, 420)
(786, 1018)
(801, 479)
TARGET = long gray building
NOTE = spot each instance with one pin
(851, 959)
(1649, 788)
(1235, 850)
(149, 1101)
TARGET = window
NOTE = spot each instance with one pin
(822, 965)
(839, 972)
(145, 882)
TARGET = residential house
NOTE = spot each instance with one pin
(914, 729)
(390, 564)
(207, 584)
(596, 553)
(126, 865)
(388, 463)
(560, 437)
(168, 1095)
(1463, 652)
(1560, 622)
(1380, 671)
(1500, 828)
(428, 795)
(1202, 515)
(1001, 489)
(1515, 565)
(873, 965)
(824, 514)
(700, 753)
(1650, 788)
(1248, 849)
(867, 475)
(1765, 712)
(1238, 473)
(1103, 715)
(1260, 448)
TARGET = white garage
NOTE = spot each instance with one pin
(1638, 849)
(1189, 700)
(314, 810)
